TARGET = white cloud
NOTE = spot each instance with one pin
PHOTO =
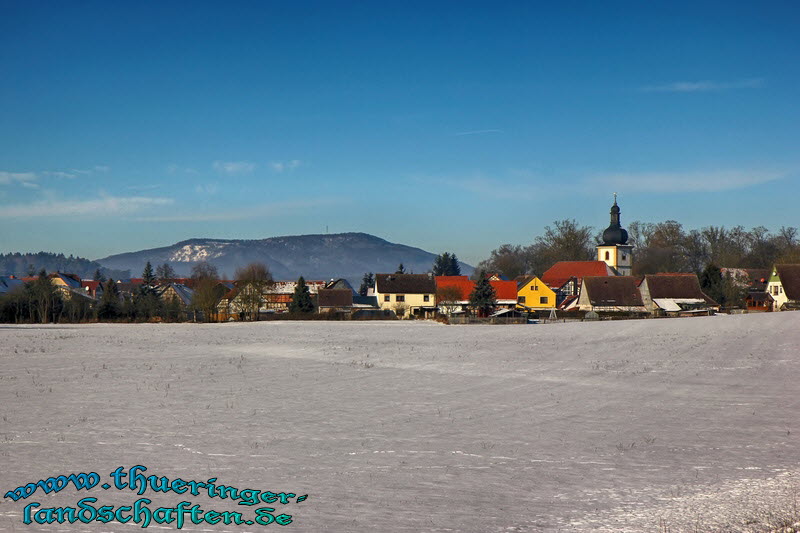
(477, 132)
(713, 181)
(234, 167)
(177, 169)
(705, 86)
(208, 188)
(103, 206)
(281, 166)
(7, 178)
(59, 174)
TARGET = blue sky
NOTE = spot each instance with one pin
(452, 126)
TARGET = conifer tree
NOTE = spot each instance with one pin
(301, 299)
(446, 265)
(109, 303)
(483, 298)
(401, 269)
(454, 267)
(367, 283)
(148, 278)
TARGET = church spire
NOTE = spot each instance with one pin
(614, 234)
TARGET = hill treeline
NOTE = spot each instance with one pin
(29, 264)
(659, 247)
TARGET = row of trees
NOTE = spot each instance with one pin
(658, 247)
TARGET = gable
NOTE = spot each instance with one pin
(612, 291)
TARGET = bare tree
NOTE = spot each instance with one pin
(448, 298)
(207, 289)
(252, 280)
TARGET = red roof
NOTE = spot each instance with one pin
(462, 283)
(561, 272)
(504, 290)
(90, 284)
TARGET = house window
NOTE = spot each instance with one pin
(543, 300)
(608, 256)
(521, 300)
(387, 298)
(401, 298)
(624, 257)
(426, 298)
(536, 287)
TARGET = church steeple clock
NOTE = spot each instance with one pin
(615, 250)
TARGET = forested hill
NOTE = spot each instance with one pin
(341, 255)
(19, 264)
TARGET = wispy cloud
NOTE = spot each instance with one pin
(143, 187)
(7, 178)
(63, 175)
(477, 132)
(281, 166)
(206, 188)
(246, 212)
(177, 169)
(234, 167)
(705, 86)
(27, 178)
(102, 206)
(713, 181)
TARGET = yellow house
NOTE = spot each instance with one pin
(532, 293)
(406, 294)
(65, 284)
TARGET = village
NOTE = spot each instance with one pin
(569, 290)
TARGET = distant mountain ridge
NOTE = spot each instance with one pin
(320, 256)
(24, 264)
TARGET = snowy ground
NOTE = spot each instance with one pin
(686, 424)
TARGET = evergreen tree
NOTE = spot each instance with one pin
(483, 298)
(109, 304)
(367, 283)
(722, 289)
(148, 278)
(401, 269)
(446, 265)
(454, 268)
(301, 299)
(98, 276)
(441, 264)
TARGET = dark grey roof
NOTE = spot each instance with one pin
(613, 291)
(365, 300)
(340, 283)
(790, 280)
(676, 286)
(335, 298)
(8, 284)
(405, 283)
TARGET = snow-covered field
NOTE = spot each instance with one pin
(686, 424)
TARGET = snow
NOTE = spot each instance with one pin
(198, 252)
(414, 426)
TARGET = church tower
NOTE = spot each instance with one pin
(615, 250)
